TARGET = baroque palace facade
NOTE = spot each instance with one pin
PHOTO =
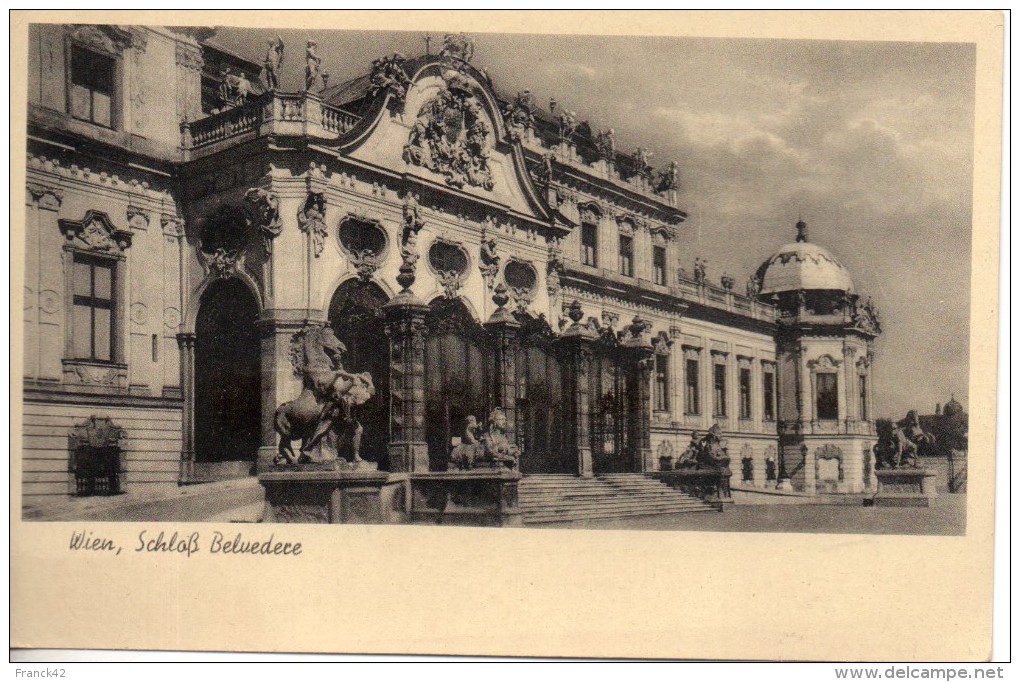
(184, 221)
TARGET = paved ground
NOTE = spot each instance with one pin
(241, 501)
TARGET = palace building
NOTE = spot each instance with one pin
(473, 253)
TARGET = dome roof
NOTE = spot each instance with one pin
(803, 265)
(952, 408)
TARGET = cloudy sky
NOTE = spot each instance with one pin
(870, 142)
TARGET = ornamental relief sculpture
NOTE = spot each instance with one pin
(451, 136)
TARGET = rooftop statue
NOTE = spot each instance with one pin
(273, 62)
(388, 75)
(313, 64)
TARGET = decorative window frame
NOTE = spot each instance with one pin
(96, 237)
(365, 266)
(824, 364)
(829, 451)
(769, 367)
(693, 353)
(449, 281)
(720, 358)
(521, 296)
(108, 41)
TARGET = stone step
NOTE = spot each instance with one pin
(566, 517)
(560, 497)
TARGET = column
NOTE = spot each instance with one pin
(577, 343)
(642, 360)
(850, 416)
(641, 421)
(186, 344)
(405, 329)
(504, 329)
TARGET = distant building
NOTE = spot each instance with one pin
(471, 252)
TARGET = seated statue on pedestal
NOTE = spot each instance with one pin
(492, 450)
(323, 411)
(705, 451)
(900, 446)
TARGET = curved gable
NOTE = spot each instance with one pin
(449, 132)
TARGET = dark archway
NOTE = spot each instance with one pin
(227, 375)
(541, 412)
(356, 316)
(458, 376)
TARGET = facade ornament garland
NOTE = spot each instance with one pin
(451, 136)
(46, 197)
(312, 220)
(489, 263)
(554, 269)
(111, 40)
(262, 212)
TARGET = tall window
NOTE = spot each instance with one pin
(769, 380)
(659, 264)
(692, 402)
(745, 393)
(827, 400)
(661, 382)
(92, 79)
(589, 244)
(862, 386)
(626, 255)
(719, 386)
(93, 308)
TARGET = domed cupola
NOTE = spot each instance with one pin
(802, 266)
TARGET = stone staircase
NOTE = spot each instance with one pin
(552, 498)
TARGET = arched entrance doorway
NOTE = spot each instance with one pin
(541, 414)
(458, 376)
(356, 316)
(227, 381)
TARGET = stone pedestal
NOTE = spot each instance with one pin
(353, 496)
(904, 487)
(480, 497)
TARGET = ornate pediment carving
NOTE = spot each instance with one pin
(95, 232)
(451, 135)
(110, 40)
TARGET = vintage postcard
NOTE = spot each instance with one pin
(520, 334)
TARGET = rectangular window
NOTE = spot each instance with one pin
(745, 393)
(770, 396)
(91, 89)
(626, 256)
(693, 404)
(661, 382)
(827, 400)
(589, 244)
(659, 264)
(720, 390)
(863, 389)
(93, 309)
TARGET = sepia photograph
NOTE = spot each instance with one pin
(444, 279)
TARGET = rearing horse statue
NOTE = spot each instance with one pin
(324, 407)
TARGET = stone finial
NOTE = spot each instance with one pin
(801, 231)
